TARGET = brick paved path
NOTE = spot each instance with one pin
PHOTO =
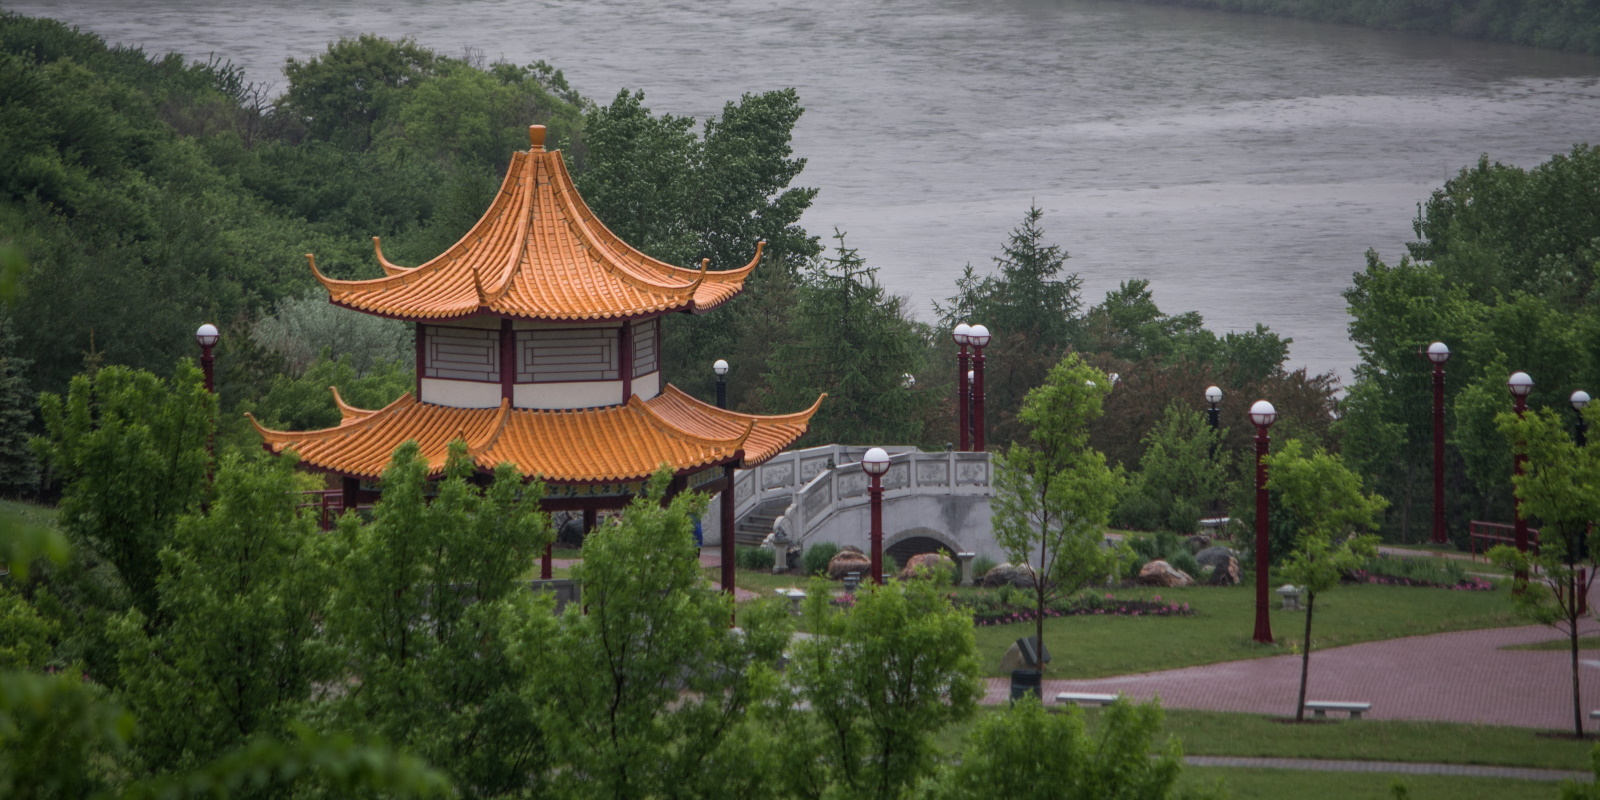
(1452, 677)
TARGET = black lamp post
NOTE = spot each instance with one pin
(1520, 385)
(206, 336)
(1213, 398)
(1438, 353)
(1263, 415)
(875, 463)
(721, 368)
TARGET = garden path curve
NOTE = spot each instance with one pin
(1450, 677)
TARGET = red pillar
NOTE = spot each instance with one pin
(350, 487)
(546, 563)
(1519, 525)
(1263, 632)
(875, 492)
(977, 399)
(1439, 534)
(962, 401)
(728, 525)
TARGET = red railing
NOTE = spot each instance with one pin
(1493, 533)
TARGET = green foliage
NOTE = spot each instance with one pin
(755, 558)
(19, 472)
(816, 558)
(341, 94)
(130, 451)
(1560, 488)
(304, 402)
(879, 680)
(1443, 571)
(57, 736)
(1579, 790)
(854, 341)
(302, 329)
(1032, 310)
(1027, 752)
(1053, 495)
(242, 591)
(1179, 476)
(421, 614)
(1508, 284)
(1326, 498)
(25, 637)
(642, 692)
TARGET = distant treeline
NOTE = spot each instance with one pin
(1571, 25)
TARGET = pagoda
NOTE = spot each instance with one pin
(538, 339)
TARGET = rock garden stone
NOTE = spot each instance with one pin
(849, 560)
(1225, 574)
(1018, 575)
(1160, 573)
(1214, 556)
(927, 565)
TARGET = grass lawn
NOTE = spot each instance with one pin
(1217, 733)
(1562, 644)
(1220, 630)
(1275, 784)
(15, 511)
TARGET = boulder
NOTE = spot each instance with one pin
(850, 548)
(1018, 575)
(1214, 556)
(927, 565)
(1160, 573)
(570, 533)
(847, 561)
(1197, 542)
(1225, 574)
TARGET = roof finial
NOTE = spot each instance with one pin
(536, 138)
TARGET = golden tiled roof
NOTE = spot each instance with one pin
(538, 253)
(613, 444)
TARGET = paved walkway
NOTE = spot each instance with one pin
(1390, 767)
(1451, 677)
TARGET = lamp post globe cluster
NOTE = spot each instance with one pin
(1262, 415)
(875, 463)
(969, 405)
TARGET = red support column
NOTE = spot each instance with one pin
(1439, 534)
(625, 359)
(1263, 633)
(977, 399)
(422, 357)
(508, 361)
(875, 492)
(546, 563)
(351, 488)
(1519, 525)
(728, 525)
(963, 399)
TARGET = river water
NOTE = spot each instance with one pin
(1242, 164)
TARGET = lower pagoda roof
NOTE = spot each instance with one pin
(612, 444)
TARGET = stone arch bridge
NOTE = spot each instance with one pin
(931, 501)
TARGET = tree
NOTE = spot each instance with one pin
(304, 402)
(1180, 474)
(1326, 498)
(1054, 495)
(1561, 488)
(879, 681)
(130, 449)
(425, 599)
(1032, 311)
(852, 340)
(19, 473)
(340, 95)
(643, 692)
(1026, 752)
(243, 590)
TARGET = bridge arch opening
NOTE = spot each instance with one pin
(913, 542)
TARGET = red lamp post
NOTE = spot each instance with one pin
(963, 336)
(1263, 415)
(875, 463)
(1520, 385)
(978, 337)
(206, 336)
(1580, 401)
(1438, 353)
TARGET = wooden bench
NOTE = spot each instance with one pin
(1086, 699)
(1320, 708)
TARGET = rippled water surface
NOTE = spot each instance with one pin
(1242, 164)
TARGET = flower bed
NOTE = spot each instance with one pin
(1470, 583)
(988, 610)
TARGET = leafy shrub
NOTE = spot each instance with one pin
(754, 558)
(1184, 560)
(816, 558)
(981, 566)
(1442, 571)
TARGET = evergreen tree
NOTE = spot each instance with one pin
(19, 472)
(852, 340)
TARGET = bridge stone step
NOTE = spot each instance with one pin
(754, 527)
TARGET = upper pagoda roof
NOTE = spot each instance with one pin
(612, 444)
(538, 253)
